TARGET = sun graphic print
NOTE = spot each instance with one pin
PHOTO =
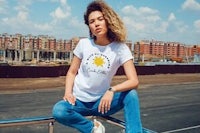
(99, 61)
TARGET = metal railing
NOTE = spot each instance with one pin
(51, 121)
(29, 121)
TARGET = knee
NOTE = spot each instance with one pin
(60, 110)
(132, 96)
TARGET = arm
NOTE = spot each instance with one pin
(71, 74)
(131, 83)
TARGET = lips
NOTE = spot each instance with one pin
(98, 30)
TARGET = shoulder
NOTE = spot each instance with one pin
(121, 47)
(85, 40)
(123, 52)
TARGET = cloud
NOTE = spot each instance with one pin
(145, 22)
(20, 20)
(3, 7)
(61, 12)
(162, 28)
(131, 10)
(22, 16)
(142, 19)
(181, 27)
(171, 17)
(43, 27)
(61, 21)
(191, 5)
(197, 25)
(64, 23)
(147, 10)
(23, 5)
(63, 2)
(132, 24)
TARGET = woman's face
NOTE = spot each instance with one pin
(97, 24)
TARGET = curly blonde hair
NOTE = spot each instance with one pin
(116, 28)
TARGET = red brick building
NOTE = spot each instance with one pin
(164, 50)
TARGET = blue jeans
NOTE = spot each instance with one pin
(74, 115)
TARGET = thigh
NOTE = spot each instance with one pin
(116, 105)
(117, 102)
(79, 107)
(85, 108)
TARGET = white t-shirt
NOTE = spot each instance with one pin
(98, 66)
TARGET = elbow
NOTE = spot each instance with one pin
(135, 84)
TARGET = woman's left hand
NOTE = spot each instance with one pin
(105, 103)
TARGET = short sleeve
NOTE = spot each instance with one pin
(124, 54)
(78, 51)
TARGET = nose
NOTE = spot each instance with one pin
(96, 23)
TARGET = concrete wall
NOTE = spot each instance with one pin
(56, 71)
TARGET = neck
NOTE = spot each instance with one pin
(102, 41)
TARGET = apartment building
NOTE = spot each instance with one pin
(25, 48)
(18, 48)
(159, 50)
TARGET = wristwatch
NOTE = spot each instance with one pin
(111, 89)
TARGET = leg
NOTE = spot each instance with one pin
(132, 112)
(70, 115)
(130, 102)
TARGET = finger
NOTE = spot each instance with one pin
(107, 108)
(102, 109)
(64, 99)
(99, 107)
(109, 104)
(69, 100)
(72, 100)
(72, 103)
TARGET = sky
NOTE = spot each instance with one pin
(162, 20)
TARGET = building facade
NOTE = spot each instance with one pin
(160, 50)
(26, 48)
(19, 48)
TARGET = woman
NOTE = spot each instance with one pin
(95, 62)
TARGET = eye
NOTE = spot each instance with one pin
(101, 18)
(91, 21)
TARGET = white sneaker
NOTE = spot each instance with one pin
(98, 128)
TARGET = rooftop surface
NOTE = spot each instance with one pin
(27, 84)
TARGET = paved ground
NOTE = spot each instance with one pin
(168, 102)
(26, 84)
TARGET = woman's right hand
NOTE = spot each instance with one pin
(70, 98)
